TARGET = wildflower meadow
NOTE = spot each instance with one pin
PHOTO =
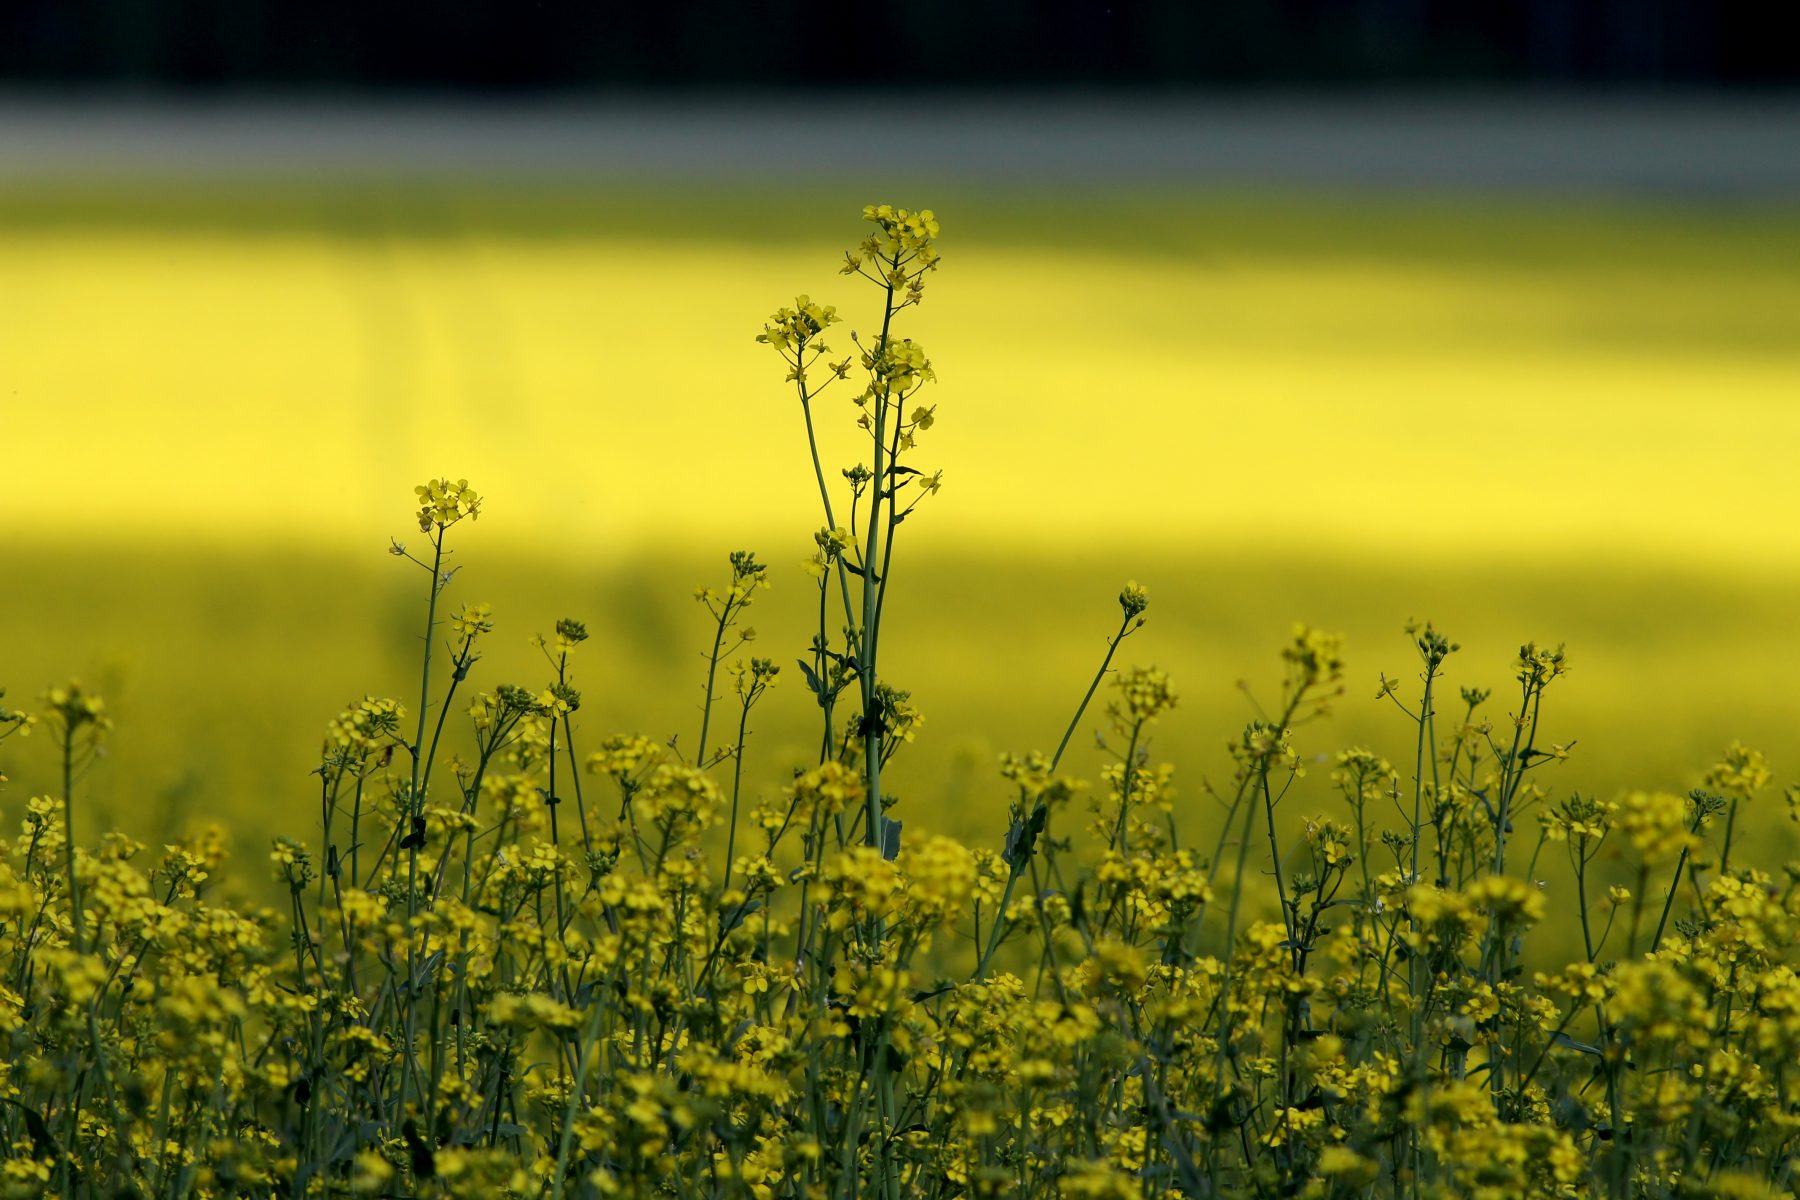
(518, 955)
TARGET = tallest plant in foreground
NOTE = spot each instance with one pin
(856, 546)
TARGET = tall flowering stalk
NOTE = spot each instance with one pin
(896, 258)
(442, 504)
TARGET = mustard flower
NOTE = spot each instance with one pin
(472, 619)
(904, 232)
(1538, 666)
(792, 330)
(1658, 825)
(1315, 656)
(1509, 901)
(366, 726)
(14, 720)
(897, 366)
(940, 875)
(1740, 772)
(624, 755)
(1145, 694)
(1579, 817)
(443, 503)
(72, 708)
(1133, 599)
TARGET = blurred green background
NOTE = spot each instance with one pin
(1533, 414)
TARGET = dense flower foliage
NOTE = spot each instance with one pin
(518, 962)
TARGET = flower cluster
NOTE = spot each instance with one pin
(792, 330)
(903, 233)
(443, 503)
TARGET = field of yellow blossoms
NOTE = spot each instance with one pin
(520, 956)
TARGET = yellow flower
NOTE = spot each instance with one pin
(1133, 599)
(370, 724)
(793, 329)
(1316, 656)
(898, 366)
(940, 874)
(1146, 694)
(1509, 901)
(622, 755)
(904, 232)
(1658, 825)
(1537, 666)
(370, 1173)
(532, 1011)
(443, 503)
(74, 708)
(1117, 966)
(1344, 1164)
(1579, 817)
(1097, 1181)
(1740, 772)
(472, 619)
(1481, 1004)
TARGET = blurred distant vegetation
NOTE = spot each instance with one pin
(713, 43)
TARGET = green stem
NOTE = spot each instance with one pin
(415, 812)
(712, 674)
(737, 783)
(68, 781)
(1075, 721)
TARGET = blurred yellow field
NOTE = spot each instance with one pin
(1488, 380)
(1528, 422)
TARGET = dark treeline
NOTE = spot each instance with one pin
(562, 44)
